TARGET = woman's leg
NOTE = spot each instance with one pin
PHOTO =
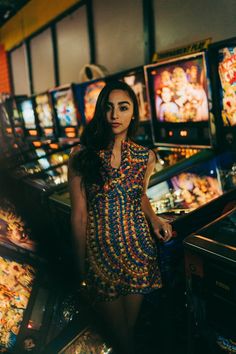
(132, 304)
(113, 313)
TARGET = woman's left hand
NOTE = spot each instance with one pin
(162, 229)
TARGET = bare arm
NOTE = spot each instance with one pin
(78, 215)
(161, 228)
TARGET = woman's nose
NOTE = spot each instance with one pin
(114, 113)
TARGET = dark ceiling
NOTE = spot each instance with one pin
(9, 8)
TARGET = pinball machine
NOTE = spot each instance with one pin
(42, 127)
(210, 252)
(179, 94)
(44, 112)
(64, 128)
(24, 282)
(68, 128)
(210, 258)
(26, 147)
(67, 114)
(12, 130)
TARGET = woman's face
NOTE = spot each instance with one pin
(119, 111)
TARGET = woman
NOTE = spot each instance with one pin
(108, 177)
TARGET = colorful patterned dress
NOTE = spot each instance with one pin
(121, 253)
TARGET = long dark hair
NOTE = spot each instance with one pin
(98, 135)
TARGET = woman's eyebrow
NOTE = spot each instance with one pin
(124, 102)
(121, 102)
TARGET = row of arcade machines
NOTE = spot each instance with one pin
(194, 183)
(34, 307)
(30, 150)
(184, 121)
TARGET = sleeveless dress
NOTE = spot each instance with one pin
(121, 254)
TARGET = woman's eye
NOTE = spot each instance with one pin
(123, 108)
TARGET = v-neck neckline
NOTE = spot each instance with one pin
(124, 148)
(124, 155)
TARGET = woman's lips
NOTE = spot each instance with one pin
(114, 125)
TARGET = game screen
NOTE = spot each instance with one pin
(227, 73)
(88, 94)
(16, 281)
(180, 91)
(44, 111)
(180, 100)
(65, 108)
(137, 81)
(28, 114)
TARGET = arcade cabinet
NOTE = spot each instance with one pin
(210, 258)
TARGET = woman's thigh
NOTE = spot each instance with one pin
(132, 304)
